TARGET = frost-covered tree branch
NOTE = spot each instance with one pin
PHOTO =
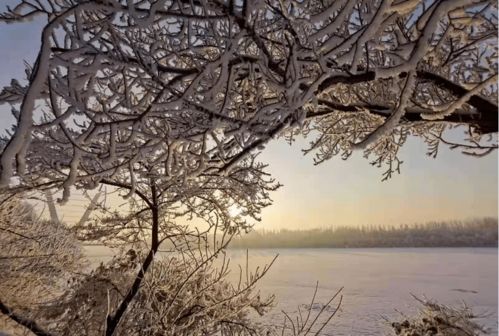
(119, 83)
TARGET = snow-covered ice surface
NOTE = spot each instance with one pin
(377, 282)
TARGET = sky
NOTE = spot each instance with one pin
(451, 187)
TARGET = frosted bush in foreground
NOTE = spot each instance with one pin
(435, 319)
(182, 294)
(185, 292)
(36, 256)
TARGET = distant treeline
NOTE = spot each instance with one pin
(472, 233)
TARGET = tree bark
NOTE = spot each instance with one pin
(113, 320)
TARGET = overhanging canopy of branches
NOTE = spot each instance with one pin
(178, 90)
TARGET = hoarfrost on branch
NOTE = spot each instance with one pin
(178, 89)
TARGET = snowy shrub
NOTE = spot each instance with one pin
(36, 256)
(435, 319)
(182, 294)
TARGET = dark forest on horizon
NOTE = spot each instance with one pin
(469, 233)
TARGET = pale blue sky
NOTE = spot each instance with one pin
(453, 186)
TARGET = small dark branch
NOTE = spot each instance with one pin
(155, 218)
(128, 187)
(27, 256)
(250, 330)
(472, 149)
(347, 79)
(383, 111)
(19, 234)
(28, 324)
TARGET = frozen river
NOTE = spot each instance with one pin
(378, 282)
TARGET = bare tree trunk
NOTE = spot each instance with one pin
(113, 320)
(51, 205)
(86, 215)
